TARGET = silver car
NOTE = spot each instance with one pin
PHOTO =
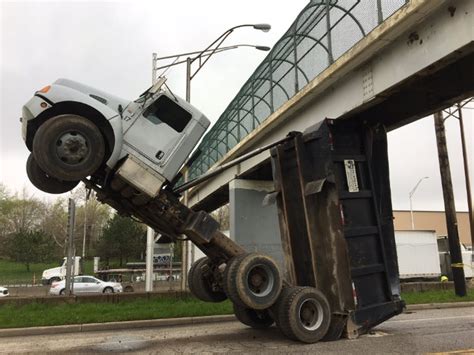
(86, 284)
(4, 292)
(75, 131)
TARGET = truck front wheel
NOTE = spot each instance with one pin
(201, 282)
(44, 182)
(69, 147)
(253, 318)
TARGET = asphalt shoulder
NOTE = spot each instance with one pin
(88, 327)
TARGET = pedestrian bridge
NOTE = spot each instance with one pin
(384, 62)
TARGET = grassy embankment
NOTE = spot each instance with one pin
(35, 314)
(12, 272)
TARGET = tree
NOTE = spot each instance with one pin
(31, 247)
(18, 214)
(121, 238)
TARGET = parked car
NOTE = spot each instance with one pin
(86, 284)
(4, 292)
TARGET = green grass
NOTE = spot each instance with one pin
(440, 296)
(37, 314)
(12, 272)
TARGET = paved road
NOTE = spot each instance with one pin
(418, 332)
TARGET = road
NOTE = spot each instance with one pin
(424, 331)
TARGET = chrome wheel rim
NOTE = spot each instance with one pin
(310, 314)
(260, 280)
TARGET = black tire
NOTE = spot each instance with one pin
(253, 281)
(44, 182)
(278, 307)
(69, 147)
(304, 314)
(53, 279)
(62, 292)
(201, 285)
(231, 264)
(108, 290)
(128, 288)
(253, 318)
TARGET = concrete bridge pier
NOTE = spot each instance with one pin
(253, 225)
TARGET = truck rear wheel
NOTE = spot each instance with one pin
(253, 318)
(44, 182)
(69, 147)
(253, 281)
(303, 314)
(201, 282)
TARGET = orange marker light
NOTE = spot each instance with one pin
(45, 89)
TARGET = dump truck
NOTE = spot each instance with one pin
(331, 189)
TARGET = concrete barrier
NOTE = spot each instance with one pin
(93, 298)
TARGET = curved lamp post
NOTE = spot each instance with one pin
(204, 55)
(410, 195)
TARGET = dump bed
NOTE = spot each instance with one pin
(333, 197)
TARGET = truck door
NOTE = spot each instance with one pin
(158, 129)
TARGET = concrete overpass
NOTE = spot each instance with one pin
(416, 61)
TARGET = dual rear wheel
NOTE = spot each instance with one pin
(254, 285)
(302, 313)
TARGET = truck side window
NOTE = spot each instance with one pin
(167, 111)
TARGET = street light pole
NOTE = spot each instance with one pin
(203, 56)
(410, 195)
(188, 79)
(206, 54)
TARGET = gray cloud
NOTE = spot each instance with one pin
(108, 45)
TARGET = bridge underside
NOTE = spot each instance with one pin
(418, 61)
(429, 90)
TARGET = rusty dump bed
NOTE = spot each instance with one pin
(333, 197)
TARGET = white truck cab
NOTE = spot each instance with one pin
(75, 131)
(59, 273)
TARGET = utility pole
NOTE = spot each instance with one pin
(466, 172)
(70, 244)
(449, 207)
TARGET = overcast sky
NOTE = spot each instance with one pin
(109, 45)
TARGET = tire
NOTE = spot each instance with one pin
(200, 285)
(53, 279)
(62, 292)
(108, 290)
(277, 308)
(253, 318)
(69, 147)
(128, 288)
(304, 314)
(44, 182)
(231, 264)
(253, 281)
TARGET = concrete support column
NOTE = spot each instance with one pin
(252, 225)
